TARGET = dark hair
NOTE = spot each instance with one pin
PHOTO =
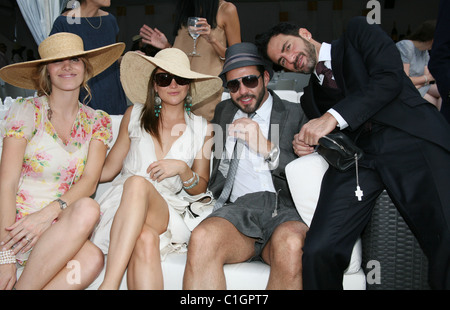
(198, 8)
(149, 121)
(424, 33)
(262, 40)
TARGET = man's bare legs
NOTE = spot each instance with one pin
(216, 242)
(213, 243)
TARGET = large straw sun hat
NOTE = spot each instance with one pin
(136, 69)
(59, 46)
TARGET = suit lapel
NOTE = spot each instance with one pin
(337, 58)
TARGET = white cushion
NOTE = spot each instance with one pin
(304, 177)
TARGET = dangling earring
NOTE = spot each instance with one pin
(188, 104)
(157, 105)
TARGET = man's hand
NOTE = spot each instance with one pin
(316, 128)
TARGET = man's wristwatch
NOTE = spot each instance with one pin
(62, 203)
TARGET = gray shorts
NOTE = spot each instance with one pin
(256, 215)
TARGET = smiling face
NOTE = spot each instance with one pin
(172, 94)
(67, 74)
(246, 98)
(295, 53)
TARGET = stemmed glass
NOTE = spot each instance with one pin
(192, 28)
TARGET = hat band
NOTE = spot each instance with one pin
(242, 57)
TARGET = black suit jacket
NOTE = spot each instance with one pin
(368, 69)
(288, 115)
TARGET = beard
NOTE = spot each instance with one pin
(249, 109)
(310, 56)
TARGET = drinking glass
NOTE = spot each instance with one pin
(192, 28)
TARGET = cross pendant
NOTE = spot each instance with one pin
(359, 193)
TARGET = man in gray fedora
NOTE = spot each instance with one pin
(254, 217)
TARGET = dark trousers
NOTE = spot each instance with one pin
(416, 175)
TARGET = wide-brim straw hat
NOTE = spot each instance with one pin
(59, 46)
(136, 69)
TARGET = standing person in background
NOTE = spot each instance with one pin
(439, 64)
(97, 28)
(414, 52)
(221, 28)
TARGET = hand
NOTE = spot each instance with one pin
(301, 148)
(166, 168)
(154, 37)
(24, 234)
(316, 128)
(205, 29)
(248, 130)
(7, 276)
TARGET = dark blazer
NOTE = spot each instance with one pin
(288, 115)
(368, 69)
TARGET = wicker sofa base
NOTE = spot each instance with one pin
(391, 256)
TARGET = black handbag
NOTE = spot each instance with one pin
(339, 150)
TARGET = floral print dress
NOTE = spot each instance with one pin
(51, 166)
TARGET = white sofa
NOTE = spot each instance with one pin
(242, 276)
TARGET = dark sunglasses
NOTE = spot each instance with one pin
(164, 79)
(250, 81)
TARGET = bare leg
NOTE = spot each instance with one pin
(144, 269)
(61, 243)
(140, 202)
(283, 253)
(213, 243)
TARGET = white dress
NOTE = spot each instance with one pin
(139, 157)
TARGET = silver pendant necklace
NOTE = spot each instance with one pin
(96, 28)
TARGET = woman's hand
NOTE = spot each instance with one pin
(24, 234)
(166, 168)
(204, 30)
(154, 37)
(7, 276)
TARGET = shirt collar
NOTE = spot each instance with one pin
(324, 55)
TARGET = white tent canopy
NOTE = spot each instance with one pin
(40, 15)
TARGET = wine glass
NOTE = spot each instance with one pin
(192, 28)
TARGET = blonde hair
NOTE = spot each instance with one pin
(44, 85)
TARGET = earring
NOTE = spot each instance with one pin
(188, 103)
(157, 105)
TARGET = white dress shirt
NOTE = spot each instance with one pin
(253, 174)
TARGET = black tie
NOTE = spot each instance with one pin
(328, 75)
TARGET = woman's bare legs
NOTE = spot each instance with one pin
(140, 204)
(64, 241)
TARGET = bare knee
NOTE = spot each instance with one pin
(203, 243)
(85, 214)
(287, 243)
(147, 245)
(137, 184)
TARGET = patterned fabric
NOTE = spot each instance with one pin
(51, 166)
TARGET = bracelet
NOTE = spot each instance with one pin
(190, 180)
(7, 257)
(426, 79)
(197, 179)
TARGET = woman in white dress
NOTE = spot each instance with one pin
(162, 153)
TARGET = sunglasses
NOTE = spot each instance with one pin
(250, 81)
(164, 79)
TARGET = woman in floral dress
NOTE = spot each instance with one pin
(53, 151)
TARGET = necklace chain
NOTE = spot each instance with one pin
(96, 28)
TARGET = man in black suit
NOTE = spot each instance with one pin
(439, 64)
(259, 220)
(406, 144)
